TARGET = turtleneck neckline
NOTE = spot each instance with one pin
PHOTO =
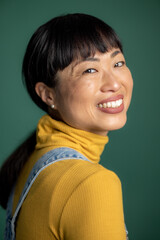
(53, 133)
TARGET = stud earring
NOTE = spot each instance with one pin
(52, 106)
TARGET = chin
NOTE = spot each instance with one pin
(116, 124)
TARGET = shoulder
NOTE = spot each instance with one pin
(100, 187)
(94, 207)
(72, 173)
(72, 177)
(73, 182)
(78, 177)
(80, 171)
(94, 177)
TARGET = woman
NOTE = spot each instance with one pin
(74, 69)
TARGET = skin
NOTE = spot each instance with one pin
(84, 84)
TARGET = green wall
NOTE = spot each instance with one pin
(132, 152)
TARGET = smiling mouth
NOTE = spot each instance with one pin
(111, 104)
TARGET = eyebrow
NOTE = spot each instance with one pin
(89, 59)
(115, 53)
(92, 59)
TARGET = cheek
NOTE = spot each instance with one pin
(128, 82)
(66, 99)
(82, 92)
(129, 87)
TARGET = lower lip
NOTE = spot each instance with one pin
(112, 110)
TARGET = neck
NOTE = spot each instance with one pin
(53, 133)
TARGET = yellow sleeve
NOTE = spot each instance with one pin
(94, 211)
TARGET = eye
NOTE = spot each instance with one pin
(119, 64)
(90, 70)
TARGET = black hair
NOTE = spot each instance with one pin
(60, 41)
(53, 47)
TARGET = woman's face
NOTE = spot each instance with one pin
(94, 94)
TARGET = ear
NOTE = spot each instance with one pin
(45, 93)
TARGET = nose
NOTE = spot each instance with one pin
(110, 82)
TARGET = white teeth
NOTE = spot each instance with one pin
(104, 105)
(113, 104)
(109, 104)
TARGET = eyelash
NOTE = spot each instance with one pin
(121, 62)
(89, 70)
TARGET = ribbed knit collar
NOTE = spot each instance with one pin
(55, 133)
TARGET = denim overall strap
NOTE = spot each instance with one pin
(58, 154)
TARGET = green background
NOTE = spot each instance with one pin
(132, 152)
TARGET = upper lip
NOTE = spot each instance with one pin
(114, 98)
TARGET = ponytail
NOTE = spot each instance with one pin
(12, 167)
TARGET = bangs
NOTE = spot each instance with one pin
(80, 37)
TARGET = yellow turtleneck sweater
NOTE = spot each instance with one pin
(71, 199)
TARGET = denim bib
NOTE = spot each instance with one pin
(58, 154)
